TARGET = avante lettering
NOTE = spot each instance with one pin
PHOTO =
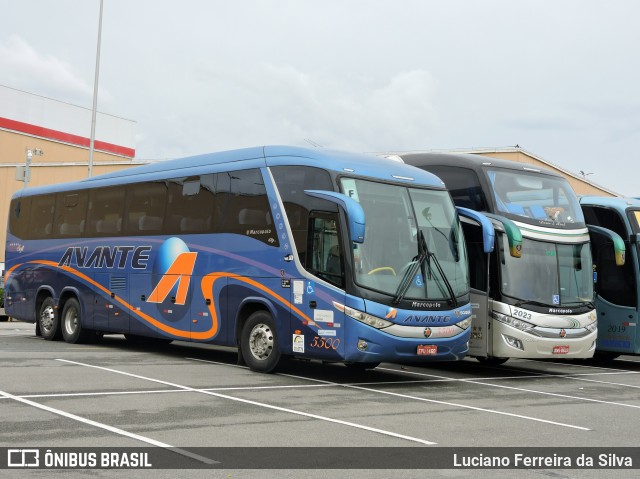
(106, 257)
(415, 318)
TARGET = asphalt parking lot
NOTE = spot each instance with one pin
(114, 394)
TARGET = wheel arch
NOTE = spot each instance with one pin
(69, 293)
(247, 307)
(43, 293)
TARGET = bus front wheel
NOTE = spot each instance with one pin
(259, 343)
(48, 321)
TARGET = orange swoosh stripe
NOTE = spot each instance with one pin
(206, 285)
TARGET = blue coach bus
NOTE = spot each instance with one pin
(279, 251)
(617, 288)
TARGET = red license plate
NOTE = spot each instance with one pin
(560, 349)
(427, 350)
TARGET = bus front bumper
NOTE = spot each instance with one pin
(509, 342)
(369, 345)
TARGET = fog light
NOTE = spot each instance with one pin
(362, 345)
(513, 342)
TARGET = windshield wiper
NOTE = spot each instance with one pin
(580, 303)
(534, 302)
(447, 283)
(418, 263)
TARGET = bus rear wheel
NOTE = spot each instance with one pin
(72, 330)
(48, 321)
(259, 343)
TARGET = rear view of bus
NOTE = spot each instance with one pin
(533, 297)
(279, 251)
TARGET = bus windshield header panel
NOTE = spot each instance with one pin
(535, 198)
(413, 246)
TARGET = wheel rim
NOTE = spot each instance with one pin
(261, 341)
(71, 321)
(46, 318)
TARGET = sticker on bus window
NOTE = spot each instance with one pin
(556, 299)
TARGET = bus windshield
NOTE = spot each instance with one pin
(402, 225)
(549, 274)
(535, 198)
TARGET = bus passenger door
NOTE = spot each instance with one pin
(616, 294)
(480, 340)
(319, 331)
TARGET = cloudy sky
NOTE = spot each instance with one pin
(560, 78)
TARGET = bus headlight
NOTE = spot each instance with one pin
(365, 318)
(516, 323)
(465, 323)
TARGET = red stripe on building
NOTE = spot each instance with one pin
(63, 137)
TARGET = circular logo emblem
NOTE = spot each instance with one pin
(563, 333)
(427, 332)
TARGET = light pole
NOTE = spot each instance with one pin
(95, 96)
(30, 153)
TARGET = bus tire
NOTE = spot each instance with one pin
(259, 343)
(491, 360)
(48, 320)
(71, 322)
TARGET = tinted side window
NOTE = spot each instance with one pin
(464, 186)
(326, 258)
(106, 209)
(476, 256)
(145, 208)
(41, 217)
(606, 218)
(616, 284)
(291, 182)
(242, 207)
(191, 205)
(71, 213)
(19, 217)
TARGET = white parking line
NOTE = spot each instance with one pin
(106, 427)
(416, 398)
(90, 422)
(533, 391)
(259, 404)
(162, 391)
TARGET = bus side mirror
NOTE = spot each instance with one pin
(619, 247)
(488, 231)
(355, 213)
(513, 233)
